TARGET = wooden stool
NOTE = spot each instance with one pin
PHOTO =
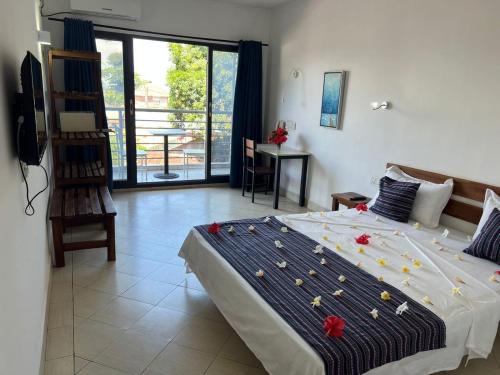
(82, 206)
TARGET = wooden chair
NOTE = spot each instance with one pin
(249, 166)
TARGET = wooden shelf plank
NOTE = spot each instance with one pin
(75, 55)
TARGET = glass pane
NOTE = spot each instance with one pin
(225, 65)
(171, 104)
(114, 99)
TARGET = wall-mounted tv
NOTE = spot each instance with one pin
(32, 134)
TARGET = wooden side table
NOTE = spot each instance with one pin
(346, 200)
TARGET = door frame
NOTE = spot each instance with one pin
(129, 93)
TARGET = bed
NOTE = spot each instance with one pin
(471, 320)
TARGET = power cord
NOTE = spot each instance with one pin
(42, 5)
(29, 209)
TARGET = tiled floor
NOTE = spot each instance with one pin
(142, 314)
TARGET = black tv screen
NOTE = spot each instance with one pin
(33, 132)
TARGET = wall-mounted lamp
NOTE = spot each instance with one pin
(44, 37)
(383, 105)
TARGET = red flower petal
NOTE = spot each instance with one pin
(214, 228)
(363, 239)
(334, 326)
(497, 272)
(362, 207)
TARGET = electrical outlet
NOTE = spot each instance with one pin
(374, 180)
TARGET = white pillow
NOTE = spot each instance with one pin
(491, 201)
(431, 198)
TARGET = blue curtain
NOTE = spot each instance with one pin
(79, 35)
(247, 112)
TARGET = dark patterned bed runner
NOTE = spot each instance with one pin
(367, 343)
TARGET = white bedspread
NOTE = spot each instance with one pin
(471, 318)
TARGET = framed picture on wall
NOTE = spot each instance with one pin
(333, 99)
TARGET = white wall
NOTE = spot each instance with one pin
(438, 62)
(204, 18)
(24, 255)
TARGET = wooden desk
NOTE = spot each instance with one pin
(282, 154)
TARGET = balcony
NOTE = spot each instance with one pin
(186, 153)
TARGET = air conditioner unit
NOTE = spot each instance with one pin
(124, 9)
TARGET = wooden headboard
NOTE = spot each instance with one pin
(462, 188)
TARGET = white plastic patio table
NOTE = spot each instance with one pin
(166, 133)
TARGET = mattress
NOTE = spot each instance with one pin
(471, 314)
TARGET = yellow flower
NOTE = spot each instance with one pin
(338, 247)
(427, 300)
(299, 282)
(385, 295)
(493, 279)
(458, 257)
(416, 225)
(456, 291)
(417, 263)
(458, 279)
(325, 226)
(325, 238)
(405, 269)
(316, 301)
(342, 278)
(381, 262)
(380, 278)
(361, 250)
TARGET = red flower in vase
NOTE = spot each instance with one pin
(214, 228)
(334, 326)
(363, 239)
(362, 207)
(278, 136)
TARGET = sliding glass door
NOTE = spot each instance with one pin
(170, 105)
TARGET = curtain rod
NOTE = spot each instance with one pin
(159, 33)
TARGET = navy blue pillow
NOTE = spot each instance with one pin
(395, 199)
(487, 244)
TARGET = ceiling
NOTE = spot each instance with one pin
(258, 3)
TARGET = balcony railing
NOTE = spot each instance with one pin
(187, 153)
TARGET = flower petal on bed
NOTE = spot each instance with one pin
(493, 279)
(281, 264)
(267, 219)
(213, 228)
(380, 278)
(312, 273)
(456, 291)
(251, 228)
(284, 229)
(342, 278)
(299, 282)
(402, 308)
(417, 225)
(338, 247)
(385, 295)
(374, 313)
(318, 249)
(323, 261)
(338, 293)
(427, 300)
(458, 279)
(231, 229)
(334, 326)
(406, 282)
(316, 301)
(381, 262)
(364, 239)
(259, 273)
(361, 250)
(405, 269)
(278, 244)
(445, 233)
(416, 263)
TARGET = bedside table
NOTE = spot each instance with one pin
(345, 199)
